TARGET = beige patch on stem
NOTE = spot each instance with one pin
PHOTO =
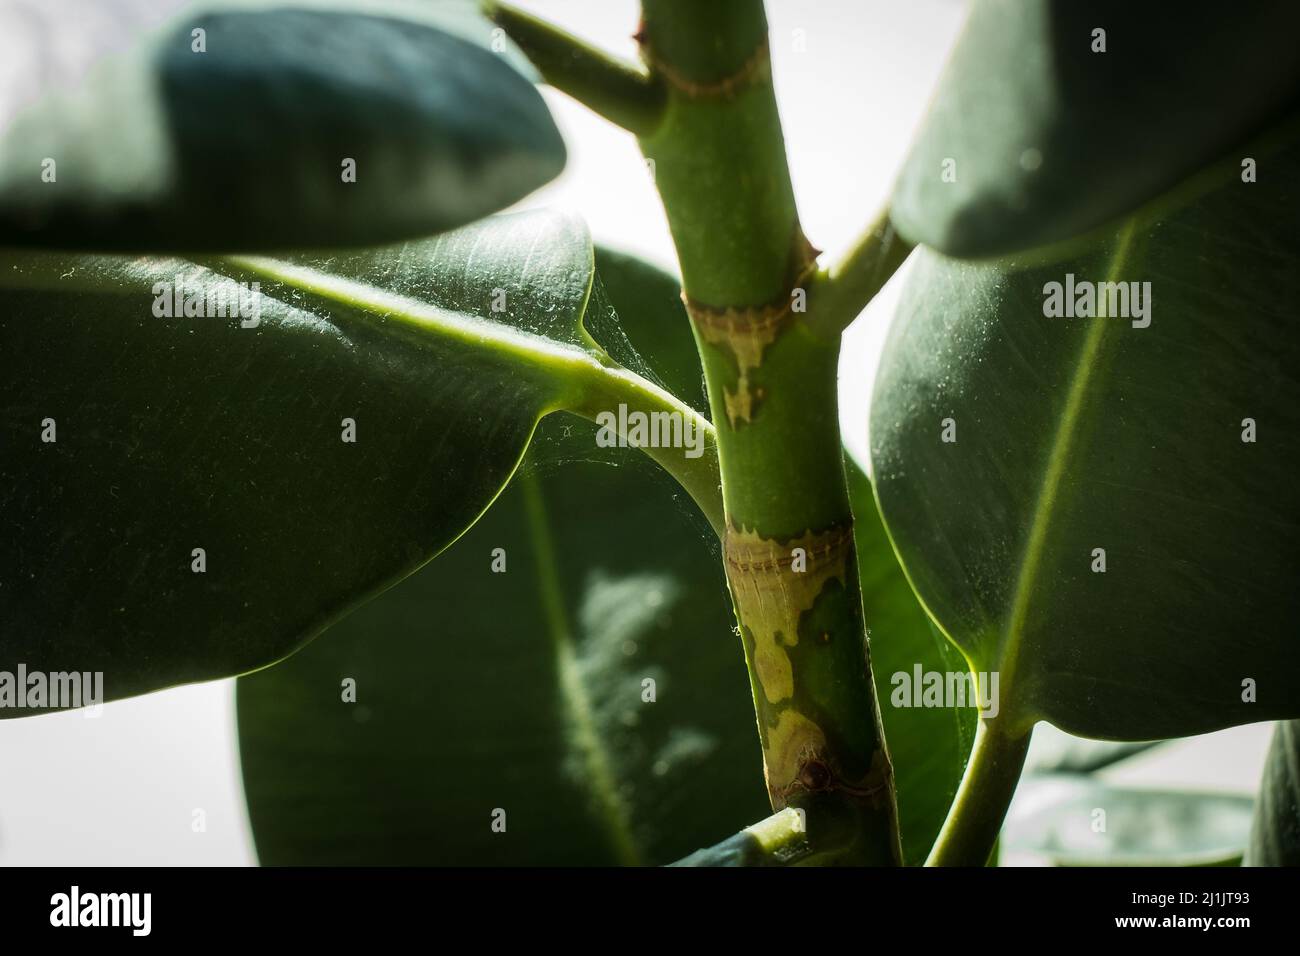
(771, 597)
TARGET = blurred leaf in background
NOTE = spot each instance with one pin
(1054, 119)
(1275, 835)
(247, 124)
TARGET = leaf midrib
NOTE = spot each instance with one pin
(1062, 446)
(526, 349)
(584, 734)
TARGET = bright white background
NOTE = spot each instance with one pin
(123, 788)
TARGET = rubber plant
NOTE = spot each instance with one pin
(279, 390)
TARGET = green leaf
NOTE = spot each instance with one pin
(1275, 833)
(928, 746)
(1079, 821)
(175, 434)
(1078, 434)
(155, 146)
(1033, 138)
(523, 691)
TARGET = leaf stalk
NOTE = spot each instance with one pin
(971, 830)
(839, 294)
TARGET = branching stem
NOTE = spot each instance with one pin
(605, 388)
(721, 171)
(706, 115)
(620, 92)
(839, 294)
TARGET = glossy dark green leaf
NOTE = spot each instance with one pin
(228, 435)
(118, 134)
(1275, 833)
(523, 691)
(1079, 821)
(1033, 138)
(1079, 434)
(927, 745)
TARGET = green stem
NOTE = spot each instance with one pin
(707, 118)
(587, 381)
(721, 171)
(620, 92)
(606, 387)
(971, 830)
(840, 293)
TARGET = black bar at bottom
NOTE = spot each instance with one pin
(582, 907)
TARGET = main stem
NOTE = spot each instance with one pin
(720, 166)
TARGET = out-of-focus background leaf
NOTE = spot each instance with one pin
(1054, 751)
(158, 147)
(1077, 820)
(1045, 139)
(1275, 834)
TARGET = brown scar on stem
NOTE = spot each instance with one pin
(756, 68)
(798, 761)
(771, 597)
(747, 331)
